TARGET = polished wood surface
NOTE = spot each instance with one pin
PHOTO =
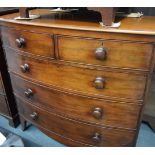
(82, 50)
(75, 130)
(143, 25)
(114, 114)
(45, 47)
(80, 83)
(118, 85)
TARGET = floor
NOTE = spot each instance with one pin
(34, 137)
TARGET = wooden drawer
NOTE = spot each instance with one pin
(121, 54)
(1, 84)
(35, 43)
(118, 85)
(101, 112)
(73, 129)
(3, 105)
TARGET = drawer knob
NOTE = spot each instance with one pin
(25, 68)
(20, 42)
(99, 83)
(28, 93)
(34, 116)
(97, 113)
(101, 53)
(97, 138)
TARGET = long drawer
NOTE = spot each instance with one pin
(75, 130)
(34, 43)
(3, 105)
(101, 112)
(99, 83)
(111, 53)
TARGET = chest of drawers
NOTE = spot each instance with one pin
(80, 83)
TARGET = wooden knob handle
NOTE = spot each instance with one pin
(28, 93)
(25, 68)
(101, 53)
(97, 113)
(99, 83)
(20, 42)
(34, 116)
(97, 138)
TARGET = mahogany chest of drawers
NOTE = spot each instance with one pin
(78, 82)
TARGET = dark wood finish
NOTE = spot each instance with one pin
(80, 83)
(115, 53)
(74, 130)
(114, 114)
(44, 42)
(118, 85)
(7, 103)
(108, 14)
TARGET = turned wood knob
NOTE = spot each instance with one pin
(99, 83)
(101, 53)
(97, 113)
(25, 68)
(34, 116)
(28, 93)
(97, 138)
(20, 42)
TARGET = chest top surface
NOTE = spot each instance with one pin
(83, 21)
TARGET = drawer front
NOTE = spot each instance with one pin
(3, 106)
(35, 43)
(77, 131)
(120, 54)
(80, 80)
(96, 111)
(1, 84)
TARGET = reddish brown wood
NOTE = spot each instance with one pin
(107, 13)
(45, 46)
(83, 50)
(61, 77)
(75, 130)
(24, 12)
(118, 85)
(114, 114)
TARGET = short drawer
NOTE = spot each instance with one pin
(77, 131)
(34, 43)
(120, 54)
(3, 106)
(1, 85)
(101, 112)
(99, 83)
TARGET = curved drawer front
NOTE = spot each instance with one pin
(3, 105)
(35, 43)
(96, 111)
(77, 131)
(100, 83)
(115, 53)
(1, 85)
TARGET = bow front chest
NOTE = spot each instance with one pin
(80, 83)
